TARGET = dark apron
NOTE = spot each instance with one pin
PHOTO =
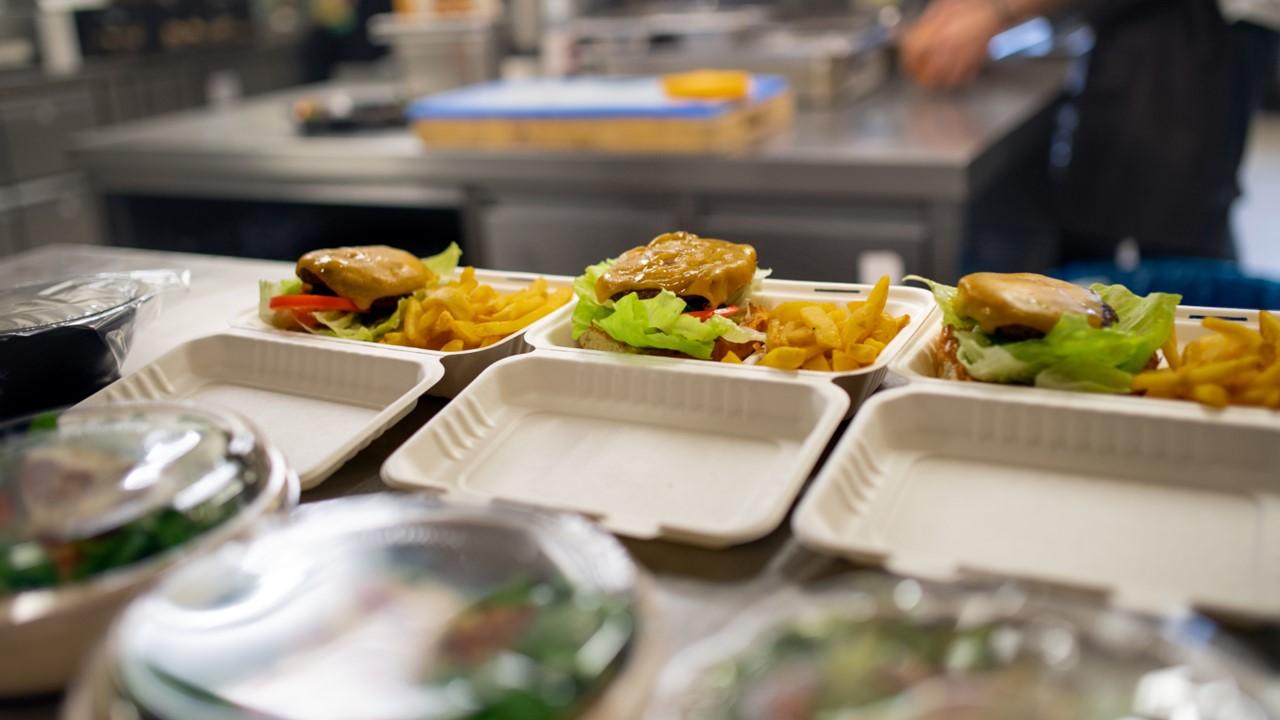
(1159, 129)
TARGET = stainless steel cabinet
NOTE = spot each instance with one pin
(10, 231)
(562, 236)
(813, 241)
(37, 132)
(58, 209)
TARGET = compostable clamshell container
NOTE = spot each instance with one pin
(461, 367)
(916, 362)
(1148, 504)
(557, 335)
(694, 452)
(320, 403)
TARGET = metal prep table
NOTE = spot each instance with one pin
(698, 590)
(897, 170)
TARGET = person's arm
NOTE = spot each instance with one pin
(948, 44)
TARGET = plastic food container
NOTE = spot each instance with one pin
(859, 384)
(916, 361)
(320, 403)
(460, 368)
(880, 648)
(386, 607)
(62, 340)
(98, 504)
(1144, 503)
(700, 453)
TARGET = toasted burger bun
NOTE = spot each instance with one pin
(1024, 305)
(364, 274)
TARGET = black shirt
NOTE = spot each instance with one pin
(1160, 127)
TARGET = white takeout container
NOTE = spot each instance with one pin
(916, 361)
(319, 403)
(697, 453)
(461, 367)
(859, 384)
(1145, 503)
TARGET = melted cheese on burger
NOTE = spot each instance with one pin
(1024, 300)
(367, 273)
(684, 264)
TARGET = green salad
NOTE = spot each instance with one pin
(80, 501)
(896, 668)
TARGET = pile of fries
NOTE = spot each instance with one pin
(1234, 365)
(466, 315)
(829, 338)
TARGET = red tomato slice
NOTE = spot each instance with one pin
(312, 303)
(704, 315)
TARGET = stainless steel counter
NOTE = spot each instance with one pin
(902, 147)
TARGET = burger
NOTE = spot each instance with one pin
(1029, 329)
(681, 295)
(352, 292)
(363, 276)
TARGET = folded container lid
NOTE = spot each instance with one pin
(1160, 507)
(385, 607)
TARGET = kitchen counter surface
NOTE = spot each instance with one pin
(900, 141)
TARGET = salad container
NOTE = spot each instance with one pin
(879, 648)
(386, 607)
(61, 341)
(96, 504)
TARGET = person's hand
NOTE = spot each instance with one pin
(947, 46)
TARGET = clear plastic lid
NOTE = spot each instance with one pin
(885, 649)
(81, 299)
(385, 607)
(97, 489)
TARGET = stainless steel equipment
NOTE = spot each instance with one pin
(827, 59)
(435, 54)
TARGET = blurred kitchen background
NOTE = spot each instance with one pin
(265, 128)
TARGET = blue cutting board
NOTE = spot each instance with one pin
(580, 98)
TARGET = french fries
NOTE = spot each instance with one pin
(465, 315)
(829, 338)
(1234, 365)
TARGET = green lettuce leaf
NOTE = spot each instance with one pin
(444, 263)
(1148, 319)
(659, 322)
(351, 326)
(589, 309)
(268, 290)
(944, 296)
